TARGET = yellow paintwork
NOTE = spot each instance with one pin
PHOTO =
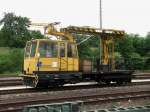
(30, 65)
(51, 64)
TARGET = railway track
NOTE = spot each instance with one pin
(16, 104)
(92, 96)
(15, 81)
(10, 81)
(141, 76)
(32, 90)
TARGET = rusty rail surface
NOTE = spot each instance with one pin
(17, 105)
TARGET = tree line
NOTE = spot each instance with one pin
(132, 52)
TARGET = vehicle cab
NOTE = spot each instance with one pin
(45, 55)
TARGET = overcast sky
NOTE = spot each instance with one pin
(133, 16)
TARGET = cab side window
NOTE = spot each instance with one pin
(48, 50)
(71, 50)
(27, 49)
(33, 49)
(70, 53)
(62, 49)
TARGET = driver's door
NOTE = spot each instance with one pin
(63, 56)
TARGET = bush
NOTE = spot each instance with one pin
(11, 61)
(135, 61)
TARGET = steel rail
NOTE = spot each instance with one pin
(87, 99)
(32, 90)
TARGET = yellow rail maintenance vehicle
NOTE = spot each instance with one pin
(54, 61)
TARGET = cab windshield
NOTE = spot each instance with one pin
(48, 49)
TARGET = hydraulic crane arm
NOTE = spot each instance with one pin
(107, 37)
(49, 28)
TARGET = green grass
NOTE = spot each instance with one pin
(4, 50)
(11, 60)
(8, 74)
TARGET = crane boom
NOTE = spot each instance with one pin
(94, 31)
(107, 42)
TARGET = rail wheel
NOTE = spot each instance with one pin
(107, 82)
(56, 85)
(119, 82)
(36, 83)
